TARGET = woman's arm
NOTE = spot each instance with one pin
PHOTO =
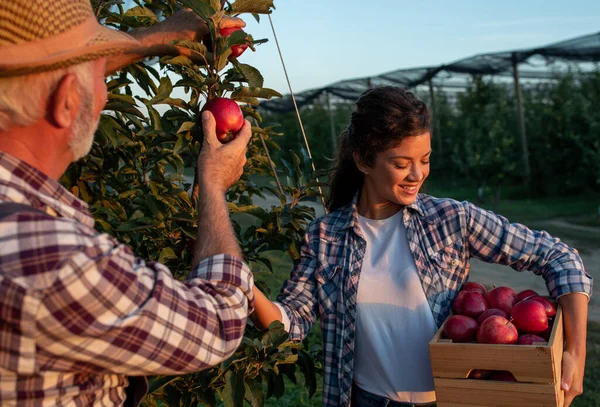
(493, 239)
(575, 312)
(298, 297)
(265, 311)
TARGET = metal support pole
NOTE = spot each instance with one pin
(521, 111)
(334, 138)
(436, 120)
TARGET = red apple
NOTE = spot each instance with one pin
(472, 304)
(503, 298)
(526, 294)
(460, 328)
(490, 312)
(228, 116)
(473, 286)
(530, 317)
(548, 332)
(457, 303)
(236, 50)
(498, 330)
(530, 339)
(550, 310)
(479, 374)
(502, 375)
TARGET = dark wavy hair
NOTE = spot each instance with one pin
(383, 117)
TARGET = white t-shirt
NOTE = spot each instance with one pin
(394, 320)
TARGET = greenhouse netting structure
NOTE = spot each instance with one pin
(517, 69)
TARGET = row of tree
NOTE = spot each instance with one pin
(477, 140)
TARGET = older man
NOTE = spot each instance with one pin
(79, 312)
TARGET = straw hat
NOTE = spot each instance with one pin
(44, 35)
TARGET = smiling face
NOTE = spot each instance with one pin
(398, 172)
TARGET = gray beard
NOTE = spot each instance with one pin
(84, 127)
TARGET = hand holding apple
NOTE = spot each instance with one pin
(221, 165)
(228, 117)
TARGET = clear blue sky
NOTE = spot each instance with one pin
(324, 41)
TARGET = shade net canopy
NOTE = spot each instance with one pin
(535, 65)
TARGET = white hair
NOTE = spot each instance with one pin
(24, 99)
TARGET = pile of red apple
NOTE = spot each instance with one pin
(499, 316)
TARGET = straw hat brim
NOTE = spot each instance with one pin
(88, 42)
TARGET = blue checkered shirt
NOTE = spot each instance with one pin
(443, 234)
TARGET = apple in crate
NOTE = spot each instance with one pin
(475, 287)
(479, 374)
(526, 294)
(550, 310)
(530, 339)
(489, 313)
(502, 375)
(503, 298)
(529, 316)
(460, 328)
(470, 303)
(497, 330)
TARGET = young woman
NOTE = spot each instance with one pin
(382, 268)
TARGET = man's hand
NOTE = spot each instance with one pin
(221, 165)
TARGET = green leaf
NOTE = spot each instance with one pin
(155, 118)
(164, 91)
(252, 75)
(251, 101)
(255, 393)
(200, 7)
(248, 111)
(134, 225)
(180, 60)
(141, 12)
(276, 385)
(185, 127)
(307, 366)
(223, 59)
(252, 6)
(233, 393)
(236, 38)
(264, 93)
(275, 336)
(166, 254)
(157, 382)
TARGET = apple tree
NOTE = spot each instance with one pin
(138, 181)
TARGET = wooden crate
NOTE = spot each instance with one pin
(537, 369)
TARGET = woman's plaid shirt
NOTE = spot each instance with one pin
(443, 235)
(79, 312)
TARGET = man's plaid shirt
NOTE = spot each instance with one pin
(443, 235)
(79, 312)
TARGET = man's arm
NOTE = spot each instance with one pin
(155, 40)
(111, 311)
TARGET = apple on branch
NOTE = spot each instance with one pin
(227, 27)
